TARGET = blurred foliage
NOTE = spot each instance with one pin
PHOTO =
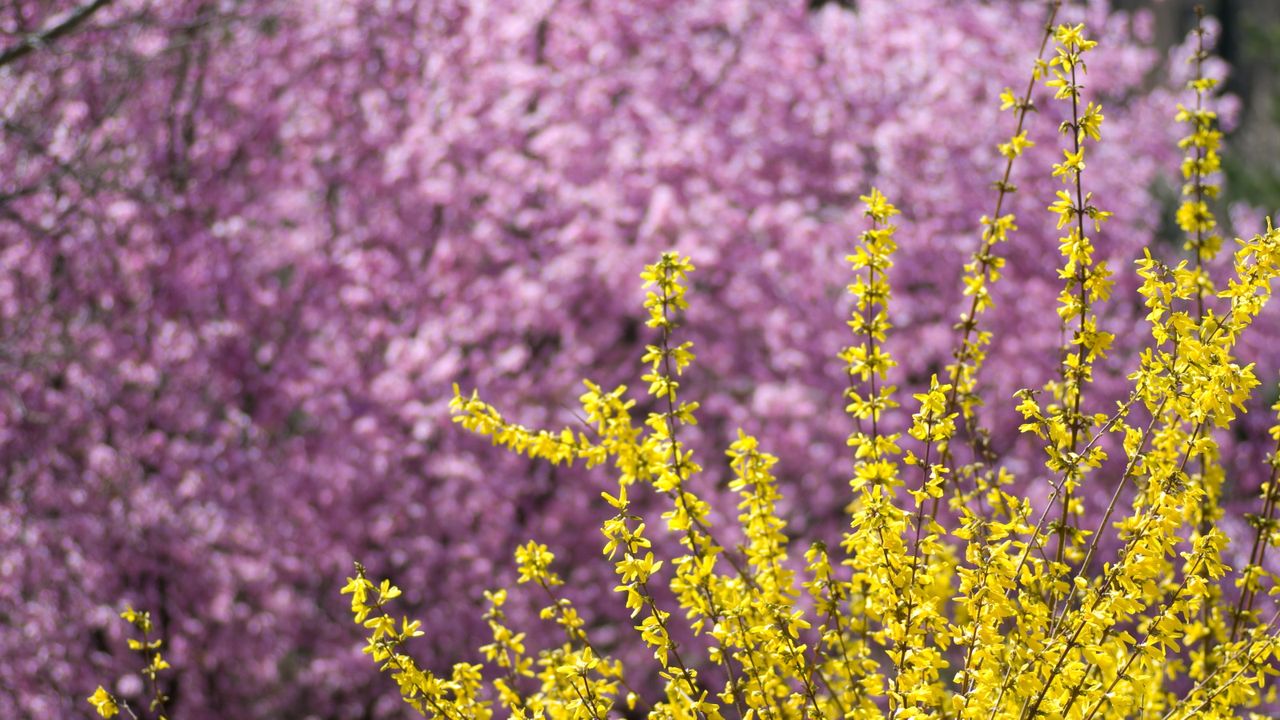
(1253, 177)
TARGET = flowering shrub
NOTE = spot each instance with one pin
(1017, 619)
(108, 705)
(246, 249)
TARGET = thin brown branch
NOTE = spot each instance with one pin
(43, 38)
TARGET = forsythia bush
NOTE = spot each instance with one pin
(948, 596)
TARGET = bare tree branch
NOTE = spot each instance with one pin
(48, 35)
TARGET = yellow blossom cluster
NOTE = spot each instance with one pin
(902, 622)
(1194, 216)
(108, 705)
(455, 697)
(1087, 282)
(990, 606)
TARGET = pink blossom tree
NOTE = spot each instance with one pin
(245, 247)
